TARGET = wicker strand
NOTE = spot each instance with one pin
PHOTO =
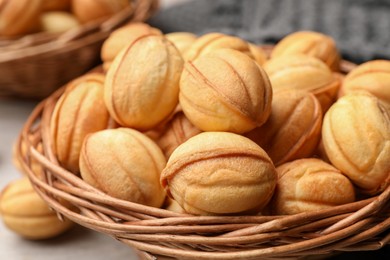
(143, 9)
(385, 240)
(48, 146)
(145, 255)
(377, 229)
(367, 246)
(125, 215)
(249, 254)
(290, 221)
(132, 216)
(318, 225)
(95, 207)
(259, 238)
(95, 215)
(381, 201)
(343, 245)
(199, 220)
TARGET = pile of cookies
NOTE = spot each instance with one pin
(222, 127)
(215, 125)
(23, 17)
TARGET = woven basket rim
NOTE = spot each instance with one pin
(93, 31)
(361, 225)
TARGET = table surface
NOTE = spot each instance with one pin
(77, 243)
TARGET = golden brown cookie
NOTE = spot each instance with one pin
(225, 91)
(218, 173)
(308, 185)
(356, 138)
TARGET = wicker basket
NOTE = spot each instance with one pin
(36, 65)
(362, 225)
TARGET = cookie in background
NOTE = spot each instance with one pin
(58, 21)
(56, 5)
(20, 17)
(372, 76)
(211, 42)
(310, 43)
(182, 40)
(92, 10)
(300, 71)
(27, 214)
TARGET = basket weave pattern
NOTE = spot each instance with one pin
(36, 65)
(362, 225)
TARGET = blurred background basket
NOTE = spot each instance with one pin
(35, 65)
(358, 226)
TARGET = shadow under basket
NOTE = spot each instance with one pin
(359, 226)
(35, 65)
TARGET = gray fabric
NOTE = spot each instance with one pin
(361, 28)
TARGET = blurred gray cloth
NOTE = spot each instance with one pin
(361, 28)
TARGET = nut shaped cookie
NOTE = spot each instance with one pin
(305, 73)
(122, 37)
(178, 130)
(293, 129)
(56, 5)
(182, 40)
(19, 17)
(142, 84)
(308, 185)
(258, 54)
(211, 42)
(26, 213)
(225, 91)
(218, 173)
(356, 138)
(124, 164)
(310, 43)
(92, 10)
(79, 111)
(58, 21)
(372, 76)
